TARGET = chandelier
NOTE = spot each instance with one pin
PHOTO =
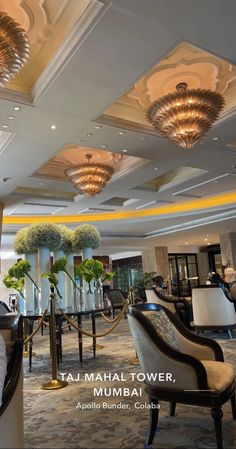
(183, 117)
(14, 48)
(90, 177)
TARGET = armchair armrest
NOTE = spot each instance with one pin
(199, 347)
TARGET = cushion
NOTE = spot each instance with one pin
(3, 365)
(164, 328)
(220, 375)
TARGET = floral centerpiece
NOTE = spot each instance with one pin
(43, 238)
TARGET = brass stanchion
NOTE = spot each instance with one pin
(54, 383)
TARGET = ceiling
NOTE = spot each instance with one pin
(107, 51)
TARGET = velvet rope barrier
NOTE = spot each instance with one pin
(37, 327)
(89, 334)
(108, 320)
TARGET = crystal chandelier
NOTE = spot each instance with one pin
(90, 177)
(14, 48)
(185, 116)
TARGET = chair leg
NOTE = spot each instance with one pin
(233, 406)
(154, 412)
(172, 408)
(217, 414)
(229, 334)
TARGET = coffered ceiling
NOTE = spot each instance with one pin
(95, 67)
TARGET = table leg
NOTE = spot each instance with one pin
(31, 328)
(80, 340)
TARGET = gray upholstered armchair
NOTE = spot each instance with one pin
(197, 373)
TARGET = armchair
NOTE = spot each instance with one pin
(4, 308)
(11, 410)
(177, 306)
(196, 364)
(115, 299)
(212, 309)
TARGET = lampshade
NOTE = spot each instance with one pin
(183, 117)
(90, 177)
(14, 48)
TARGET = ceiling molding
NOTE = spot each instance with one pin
(178, 209)
(71, 44)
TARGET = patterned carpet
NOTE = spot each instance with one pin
(53, 421)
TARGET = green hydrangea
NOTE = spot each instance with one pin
(66, 239)
(16, 284)
(43, 235)
(85, 236)
(20, 246)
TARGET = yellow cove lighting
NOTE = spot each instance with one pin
(178, 208)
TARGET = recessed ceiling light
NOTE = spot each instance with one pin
(103, 146)
(5, 126)
(42, 183)
(89, 134)
(186, 243)
(125, 151)
(156, 168)
(215, 138)
(53, 126)
(208, 243)
(121, 133)
(143, 138)
(17, 108)
(206, 240)
(11, 117)
(97, 127)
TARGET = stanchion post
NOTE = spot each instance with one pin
(54, 383)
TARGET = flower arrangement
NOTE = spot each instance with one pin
(85, 236)
(66, 239)
(20, 246)
(16, 284)
(43, 235)
(52, 280)
(91, 269)
(60, 265)
(20, 270)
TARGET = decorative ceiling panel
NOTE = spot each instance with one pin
(185, 63)
(71, 156)
(171, 179)
(48, 24)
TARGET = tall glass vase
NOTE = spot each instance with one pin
(44, 267)
(61, 276)
(29, 285)
(88, 295)
(98, 297)
(21, 304)
(69, 299)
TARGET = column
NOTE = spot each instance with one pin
(156, 259)
(228, 248)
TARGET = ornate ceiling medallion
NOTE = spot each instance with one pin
(90, 177)
(185, 116)
(14, 48)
